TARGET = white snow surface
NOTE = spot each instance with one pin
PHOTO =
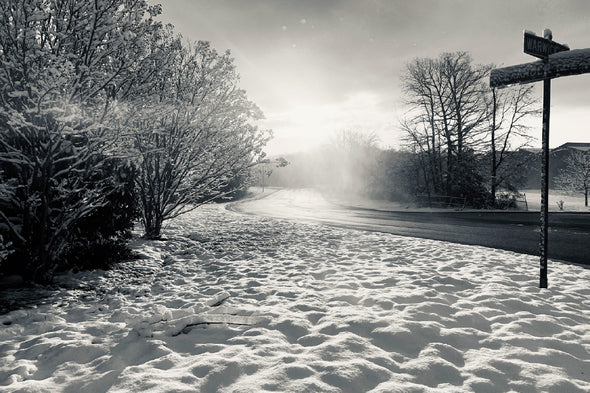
(241, 303)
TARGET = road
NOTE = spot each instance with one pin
(569, 233)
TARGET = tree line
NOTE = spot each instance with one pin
(107, 116)
(465, 135)
(462, 140)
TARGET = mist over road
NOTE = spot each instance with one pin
(569, 233)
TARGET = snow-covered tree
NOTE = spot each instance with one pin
(576, 175)
(193, 131)
(62, 65)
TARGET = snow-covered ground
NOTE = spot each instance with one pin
(571, 201)
(240, 303)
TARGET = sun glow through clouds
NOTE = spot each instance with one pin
(314, 68)
(306, 126)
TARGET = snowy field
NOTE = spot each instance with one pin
(239, 303)
(571, 202)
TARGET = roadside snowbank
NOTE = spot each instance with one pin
(237, 303)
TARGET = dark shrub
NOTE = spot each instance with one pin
(101, 238)
(62, 206)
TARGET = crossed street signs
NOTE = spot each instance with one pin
(556, 61)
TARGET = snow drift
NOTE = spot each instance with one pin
(237, 303)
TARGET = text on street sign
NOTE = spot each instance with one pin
(541, 47)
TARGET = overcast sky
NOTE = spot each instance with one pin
(315, 67)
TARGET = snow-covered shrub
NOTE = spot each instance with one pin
(193, 132)
(575, 177)
(506, 200)
(60, 199)
(101, 237)
(5, 251)
(64, 65)
(236, 188)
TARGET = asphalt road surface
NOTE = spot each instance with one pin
(569, 233)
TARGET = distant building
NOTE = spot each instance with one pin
(557, 162)
(569, 146)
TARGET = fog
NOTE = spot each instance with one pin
(351, 164)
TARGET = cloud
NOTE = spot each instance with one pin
(308, 63)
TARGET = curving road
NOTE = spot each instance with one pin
(569, 233)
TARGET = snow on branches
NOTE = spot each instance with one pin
(193, 132)
(85, 85)
(62, 63)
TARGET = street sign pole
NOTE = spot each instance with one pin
(547, 46)
(556, 61)
(543, 242)
(542, 48)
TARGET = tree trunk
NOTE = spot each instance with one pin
(153, 230)
(152, 221)
(450, 169)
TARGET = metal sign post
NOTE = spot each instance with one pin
(542, 48)
(557, 60)
(545, 184)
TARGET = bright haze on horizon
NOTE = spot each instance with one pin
(317, 67)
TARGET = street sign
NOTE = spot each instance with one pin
(541, 47)
(556, 60)
(572, 62)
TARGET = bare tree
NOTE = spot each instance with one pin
(428, 122)
(507, 112)
(465, 86)
(446, 118)
(576, 176)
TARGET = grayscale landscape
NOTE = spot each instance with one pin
(332, 196)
